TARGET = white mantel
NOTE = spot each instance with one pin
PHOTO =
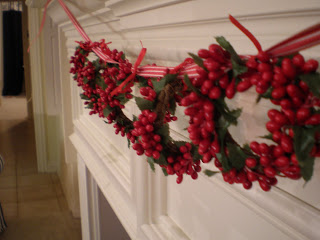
(148, 205)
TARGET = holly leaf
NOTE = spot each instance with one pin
(236, 156)
(100, 82)
(107, 111)
(85, 97)
(224, 161)
(122, 98)
(129, 142)
(179, 143)
(85, 80)
(268, 136)
(96, 65)
(165, 171)
(90, 105)
(143, 104)
(313, 82)
(237, 68)
(143, 82)
(267, 95)
(228, 47)
(303, 142)
(195, 153)
(210, 173)
(162, 160)
(189, 84)
(164, 133)
(151, 163)
(123, 56)
(159, 85)
(198, 60)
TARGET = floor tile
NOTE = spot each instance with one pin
(8, 181)
(10, 210)
(36, 193)
(38, 208)
(8, 195)
(34, 179)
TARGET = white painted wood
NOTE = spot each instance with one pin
(37, 91)
(84, 194)
(153, 207)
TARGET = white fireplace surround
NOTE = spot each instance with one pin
(148, 205)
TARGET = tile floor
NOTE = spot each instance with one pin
(33, 203)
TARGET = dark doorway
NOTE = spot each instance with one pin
(13, 73)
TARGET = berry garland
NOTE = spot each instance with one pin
(287, 80)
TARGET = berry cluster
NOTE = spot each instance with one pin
(148, 93)
(98, 79)
(183, 164)
(202, 125)
(149, 142)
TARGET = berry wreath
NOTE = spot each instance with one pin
(201, 84)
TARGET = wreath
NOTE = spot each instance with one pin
(201, 84)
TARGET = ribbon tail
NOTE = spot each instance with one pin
(132, 75)
(246, 32)
(41, 25)
(302, 40)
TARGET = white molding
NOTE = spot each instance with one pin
(84, 201)
(37, 91)
(35, 3)
(117, 199)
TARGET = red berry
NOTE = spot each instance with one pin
(270, 172)
(251, 162)
(282, 162)
(215, 93)
(310, 66)
(265, 161)
(286, 143)
(278, 93)
(244, 85)
(264, 186)
(247, 185)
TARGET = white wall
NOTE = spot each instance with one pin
(148, 205)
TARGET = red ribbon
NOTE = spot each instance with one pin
(132, 75)
(302, 40)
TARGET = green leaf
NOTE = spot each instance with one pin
(179, 143)
(85, 80)
(159, 85)
(90, 105)
(164, 133)
(195, 153)
(198, 60)
(165, 171)
(224, 161)
(75, 76)
(107, 111)
(313, 82)
(144, 104)
(96, 65)
(135, 118)
(303, 142)
(190, 86)
(100, 82)
(151, 163)
(143, 82)
(268, 136)
(266, 95)
(129, 142)
(228, 47)
(123, 56)
(210, 173)
(237, 68)
(236, 156)
(85, 97)
(162, 160)
(122, 98)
